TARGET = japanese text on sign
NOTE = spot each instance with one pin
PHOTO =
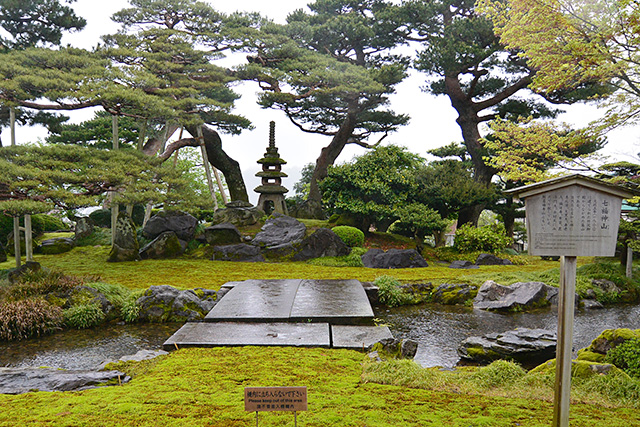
(258, 399)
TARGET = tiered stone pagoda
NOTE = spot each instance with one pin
(271, 191)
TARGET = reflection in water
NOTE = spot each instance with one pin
(439, 330)
(85, 349)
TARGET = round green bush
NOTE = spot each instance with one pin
(101, 217)
(351, 236)
(83, 316)
(490, 238)
(41, 223)
(626, 356)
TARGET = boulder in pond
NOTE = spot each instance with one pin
(524, 345)
(610, 338)
(181, 223)
(84, 227)
(25, 380)
(125, 245)
(57, 245)
(519, 296)
(238, 213)
(491, 259)
(322, 243)
(393, 258)
(222, 234)
(393, 348)
(240, 252)
(167, 304)
(454, 294)
(280, 230)
(165, 246)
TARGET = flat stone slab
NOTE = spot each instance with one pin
(331, 301)
(358, 337)
(256, 300)
(220, 334)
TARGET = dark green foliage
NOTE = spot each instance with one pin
(626, 356)
(83, 316)
(27, 318)
(354, 259)
(42, 223)
(351, 236)
(490, 238)
(34, 22)
(99, 237)
(96, 132)
(101, 218)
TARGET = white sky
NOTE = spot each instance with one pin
(432, 118)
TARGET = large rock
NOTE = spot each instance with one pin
(280, 230)
(607, 286)
(452, 294)
(610, 338)
(101, 217)
(392, 348)
(519, 296)
(165, 246)
(393, 258)
(168, 304)
(57, 245)
(240, 252)
(323, 242)
(222, 234)
(309, 209)
(25, 380)
(491, 259)
(181, 223)
(84, 227)
(125, 245)
(238, 213)
(462, 264)
(531, 346)
(26, 268)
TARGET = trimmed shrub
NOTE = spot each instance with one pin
(40, 282)
(354, 259)
(83, 316)
(626, 356)
(41, 223)
(28, 318)
(351, 236)
(490, 238)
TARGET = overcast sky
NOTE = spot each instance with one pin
(432, 118)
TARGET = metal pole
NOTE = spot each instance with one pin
(564, 348)
(629, 262)
(256, 418)
(16, 239)
(28, 237)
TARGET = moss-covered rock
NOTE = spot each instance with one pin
(168, 304)
(610, 338)
(165, 246)
(453, 294)
(58, 245)
(590, 356)
(580, 369)
(125, 246)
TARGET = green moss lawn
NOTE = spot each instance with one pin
(204, 387)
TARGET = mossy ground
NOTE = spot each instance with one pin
(204, 387)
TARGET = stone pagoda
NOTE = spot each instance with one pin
(271, 191)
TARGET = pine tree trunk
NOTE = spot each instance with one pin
(220, 160)
(328, 156)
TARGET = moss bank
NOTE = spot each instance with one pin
(204, 387)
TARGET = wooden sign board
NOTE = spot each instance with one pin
(572, 216)
(258, 399)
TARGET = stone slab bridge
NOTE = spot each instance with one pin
(298, 313)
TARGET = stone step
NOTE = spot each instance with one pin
(220, 334)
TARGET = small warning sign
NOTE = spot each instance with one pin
(258, 399)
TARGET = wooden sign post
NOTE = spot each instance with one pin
(569, 217)
(258, 399)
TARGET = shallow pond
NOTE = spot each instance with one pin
(440, 329)
(85, 349)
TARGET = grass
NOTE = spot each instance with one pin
(189, 273)
(204, 387)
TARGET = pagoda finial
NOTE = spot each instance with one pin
(272, 134)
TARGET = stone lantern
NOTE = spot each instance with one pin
(271, 191)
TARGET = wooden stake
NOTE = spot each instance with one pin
(12, 125)
(629, 263)
(564, 347)
(16, 240)
(114, 206)
(28, 237)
